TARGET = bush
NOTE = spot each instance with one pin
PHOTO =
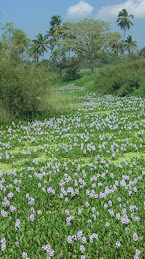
(23, 90)
(71, 69)
(122, 79)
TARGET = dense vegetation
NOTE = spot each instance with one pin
(75, 49)
(72, 185)
(72, 141)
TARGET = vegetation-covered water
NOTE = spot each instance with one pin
(72, 186)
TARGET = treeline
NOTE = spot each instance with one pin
(26, 76)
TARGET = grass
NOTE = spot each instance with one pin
(72, 184)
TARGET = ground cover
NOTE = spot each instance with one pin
(72, 185)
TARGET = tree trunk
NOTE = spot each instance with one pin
(92, 69)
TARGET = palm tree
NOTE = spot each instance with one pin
(53, 32)
(34, 51)
(115, 47)
(55, 21)
(130, 44)
(41, 44)
(142, 52)
(123, 21)
(121, 47)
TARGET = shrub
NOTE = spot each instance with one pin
(23, 90)
(122, 79)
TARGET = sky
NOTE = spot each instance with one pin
(33, 16)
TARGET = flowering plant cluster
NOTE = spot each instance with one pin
(72, 186)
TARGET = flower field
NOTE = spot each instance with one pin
(73, 185)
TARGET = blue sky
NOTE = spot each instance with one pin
(33, 16)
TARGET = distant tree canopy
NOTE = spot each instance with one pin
(14, 41)
(87, 39)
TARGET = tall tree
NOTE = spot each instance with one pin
(41, 44)
(142, 52)
(130, 44)
(55, 21)
(15, 42)
(87, 39)
(34, 51)
(54, 32)
(20, 41)
(123, 21)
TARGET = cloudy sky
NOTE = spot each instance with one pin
(33, 16)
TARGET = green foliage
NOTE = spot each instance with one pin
(23, 90)
(141, 91)
(87, 39)
(71, 69)
(122, 79)
(123, 20)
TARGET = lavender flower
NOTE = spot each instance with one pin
(24, 255)
(32, 217)
(69, 239)
(17, 225)
(107, 224)
(135, 236)
(82, 249)
(118, 244)
(84, 240)
(80, 233)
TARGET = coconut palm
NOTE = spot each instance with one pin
(41, 44)
(53, 33)
(34, 51)
(55, 21)
(123, 21)
(130, 44)
(142, 52)
(115, 47)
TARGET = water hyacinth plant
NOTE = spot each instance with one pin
(72, 185)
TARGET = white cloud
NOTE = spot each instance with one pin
(135, 7)
(79, 11)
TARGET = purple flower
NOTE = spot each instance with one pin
(87, 204)
(24, 255)
(3, 246)
(12, 208)
(105, 206)
(51, 253)
(107, 224)
(84, 240)
(32, 217)
(69, 239)
(79, 211)
(4, 213)
(118, 244)
(47, 248)
(82, 249)
(125, 220)
(94, 235)
(138, 251)
(10, 195)
(17, 225)
(118, 216)
(39, 212)
(3, 240)
(80, 233)
(135, 236)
